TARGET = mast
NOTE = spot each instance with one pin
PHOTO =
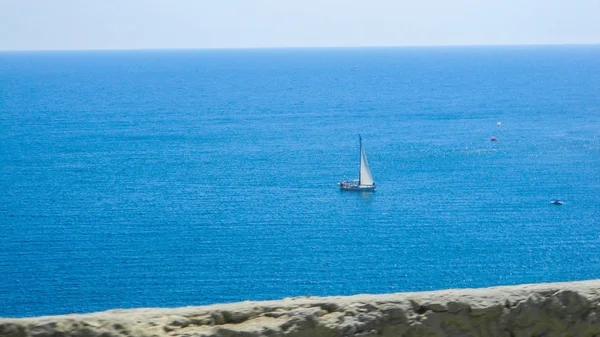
(360, 160)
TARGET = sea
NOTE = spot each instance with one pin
(157, 178)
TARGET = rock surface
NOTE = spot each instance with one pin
(549, 309)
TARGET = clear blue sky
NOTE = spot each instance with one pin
(135, 24)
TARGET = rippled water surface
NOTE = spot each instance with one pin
(172, 178)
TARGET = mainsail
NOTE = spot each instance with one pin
(365, 177)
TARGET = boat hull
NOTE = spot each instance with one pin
(357, 188)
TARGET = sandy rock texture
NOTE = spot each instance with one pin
(548, 309)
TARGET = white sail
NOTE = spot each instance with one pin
(366, 178)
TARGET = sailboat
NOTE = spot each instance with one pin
(365, 181)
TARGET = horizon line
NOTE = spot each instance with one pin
(299, 47)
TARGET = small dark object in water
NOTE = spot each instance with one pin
(556, 202)
(494, 139)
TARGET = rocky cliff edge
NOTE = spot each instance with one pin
(548, 309)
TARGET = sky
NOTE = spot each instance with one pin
(165, 24)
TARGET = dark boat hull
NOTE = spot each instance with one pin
(357, 188)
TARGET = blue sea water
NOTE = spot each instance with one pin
(173, 178)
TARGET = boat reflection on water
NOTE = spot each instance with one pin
(366, 196)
